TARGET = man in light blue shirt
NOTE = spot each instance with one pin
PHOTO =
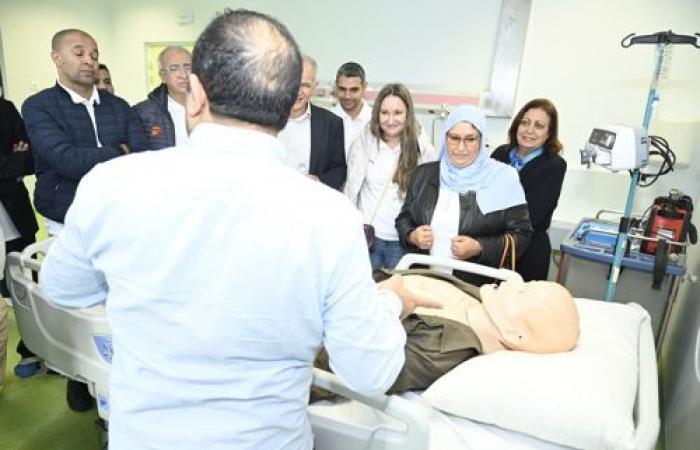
(223, 270)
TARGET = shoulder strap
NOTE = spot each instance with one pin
(381, 199)
(508, 251)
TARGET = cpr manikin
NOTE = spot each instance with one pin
(535, 316)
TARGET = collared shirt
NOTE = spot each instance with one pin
(364, 153)
(518, 162)
(296, 137)
(217, 319)
(89, 104)
(353, 127)
(177, 114)
(52, 227)
(379, 197)
(445, 225)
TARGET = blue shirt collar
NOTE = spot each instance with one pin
(519, 162)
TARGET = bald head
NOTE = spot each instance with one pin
(75, 55)
(249, 66)
(537, 316)
(307, 60)
(174, 67)
(171, 51)
(59, 39)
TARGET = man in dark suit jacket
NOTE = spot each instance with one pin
(71, 129)
(313, 136)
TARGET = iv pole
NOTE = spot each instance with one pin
(661, 39)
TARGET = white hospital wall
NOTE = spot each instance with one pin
(26, 29)
(328, 31)
(572, 55)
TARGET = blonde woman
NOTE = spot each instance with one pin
(380, 163)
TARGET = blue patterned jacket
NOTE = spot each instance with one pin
(64, 145)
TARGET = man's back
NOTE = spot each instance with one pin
(212, 348)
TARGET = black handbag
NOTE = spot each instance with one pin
(369, 235)
(368, 227)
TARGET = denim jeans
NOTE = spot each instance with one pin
(385, 254)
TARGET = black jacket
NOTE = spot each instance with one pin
(157, 123)
(488, 229)
(542, 179)
(13, 166)
(327, 158)
(63, 142)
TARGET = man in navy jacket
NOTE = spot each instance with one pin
(163, 112)
(71, 129)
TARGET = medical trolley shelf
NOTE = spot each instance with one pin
(586, 256)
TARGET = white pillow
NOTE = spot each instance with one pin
(583, 398)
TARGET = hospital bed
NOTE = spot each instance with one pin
(77, 344)
(73, 342)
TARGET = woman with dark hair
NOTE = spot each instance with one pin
(380, 162)
(533, 149)
(465, 205)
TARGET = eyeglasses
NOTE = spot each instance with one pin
(176, 68)
(454, 139)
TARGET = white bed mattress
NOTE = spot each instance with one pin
(452, 432)
(610, 380)
(446, 431)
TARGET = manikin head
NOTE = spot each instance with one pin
(537, 316)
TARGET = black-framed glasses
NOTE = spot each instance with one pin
(455, 139)
(177, 68)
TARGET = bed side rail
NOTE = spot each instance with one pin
(415, 417)
(415, 258)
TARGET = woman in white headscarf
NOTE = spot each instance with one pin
(463, 205)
